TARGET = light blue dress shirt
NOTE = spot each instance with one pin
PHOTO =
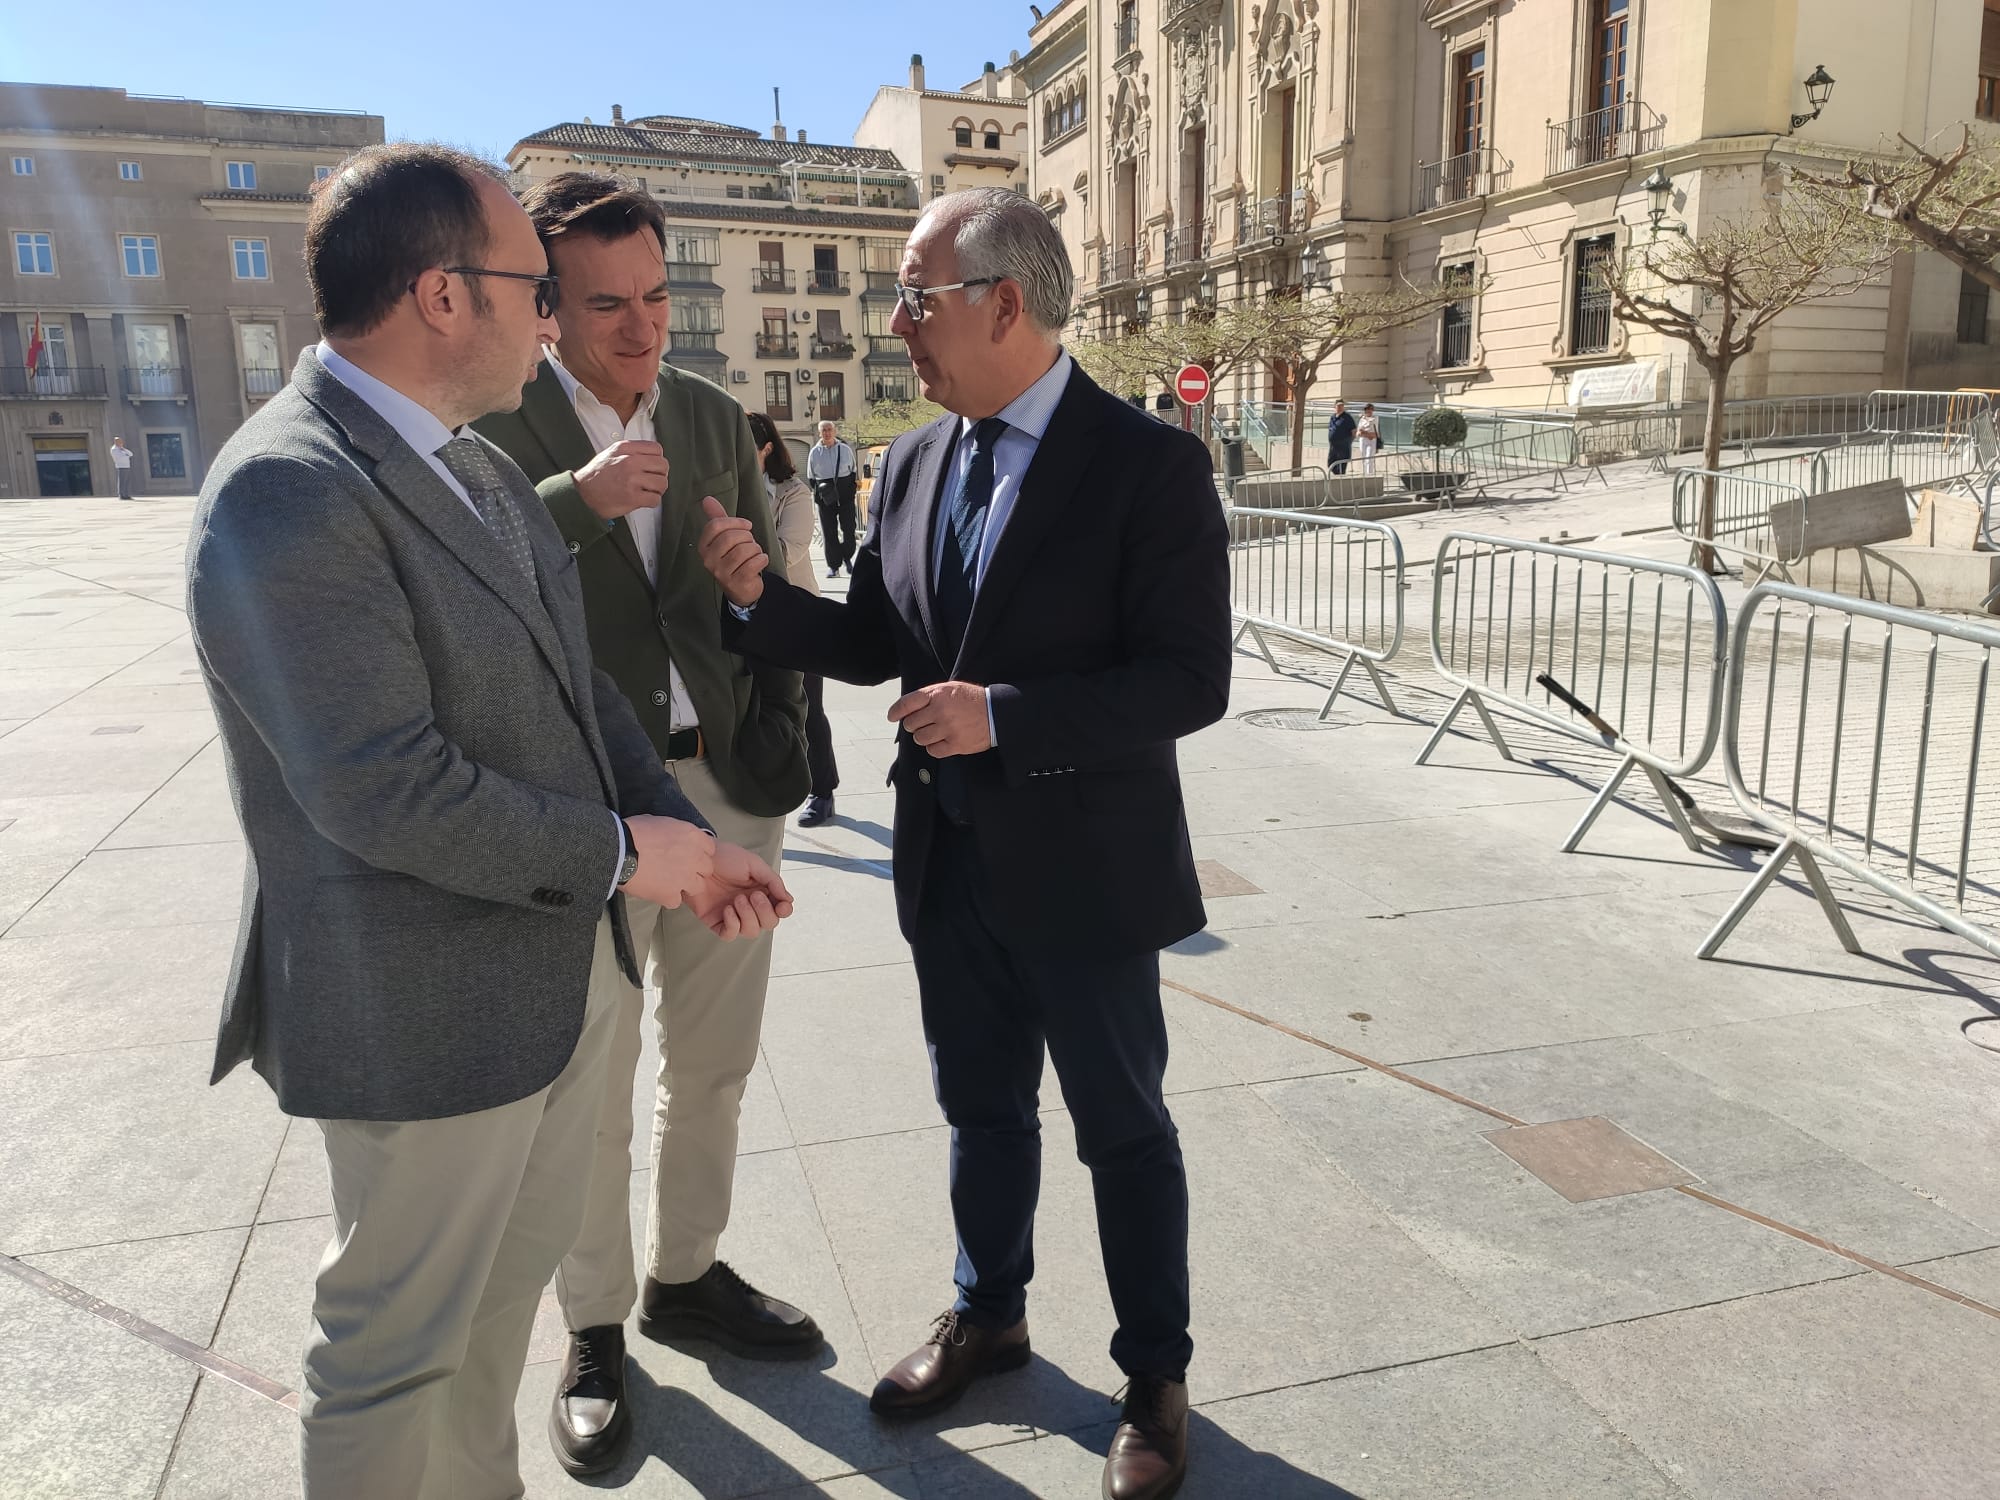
(1027, 417)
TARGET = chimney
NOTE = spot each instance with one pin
(802, 137)
(777, 117)
(617, 114)
(917, 71)
(989, 82)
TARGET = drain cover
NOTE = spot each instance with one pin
(1294, 718)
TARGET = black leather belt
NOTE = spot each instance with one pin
(684, 744)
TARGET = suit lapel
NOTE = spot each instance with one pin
(680, 509)
(1052, 479)
(547, 413)
(404, 475)
(929, 468)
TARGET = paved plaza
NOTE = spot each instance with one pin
(1497, 1191)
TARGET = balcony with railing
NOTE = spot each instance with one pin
(696, 344)
(1271, 219)
(878, 284)
(263, 380)
(154, 384)
(1128, 33)
(840, 346)
(1604, 135)
(1464, 178)
(825, 283)
(691, 273)
(51, 385)
(884, 348)
(777, 346)
(1188, 244)
(1116, 265)
(765, 278)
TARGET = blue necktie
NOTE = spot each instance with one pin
(958, 571)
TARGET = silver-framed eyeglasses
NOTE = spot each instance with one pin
(912, 297)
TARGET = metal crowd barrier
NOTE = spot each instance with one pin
(1322, 581)
(1857, 733)
(1988, 531)
(1743, 525)
(1640, 641)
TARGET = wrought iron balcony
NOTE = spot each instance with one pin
(772, 279)
(1461, 178)
(263, 380)
(1628, 129)
(693, 343)
(1117, 265)
(886, 346)
(1271, 218)
(51, 385)
(1188, 244)
(827, 283)
(155, 384)
(879, 283)
(841, 347)
(777, 346)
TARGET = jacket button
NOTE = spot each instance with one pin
(576, 546)
(661, 697)
(563, 898)
(924, 775)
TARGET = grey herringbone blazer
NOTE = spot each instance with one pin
(422, 758)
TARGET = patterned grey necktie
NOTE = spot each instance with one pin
(472, 467)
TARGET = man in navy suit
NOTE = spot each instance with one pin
(1046, 571)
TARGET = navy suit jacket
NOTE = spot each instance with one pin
(1102, 629)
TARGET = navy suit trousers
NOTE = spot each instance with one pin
(988, 1013)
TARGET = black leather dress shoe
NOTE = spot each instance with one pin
(722, 1307)
(590, 1422)
(818, 810)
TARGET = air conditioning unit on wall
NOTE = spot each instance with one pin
(739, 377)
(805, 377)
(802, 315)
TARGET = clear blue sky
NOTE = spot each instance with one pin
(484, 73)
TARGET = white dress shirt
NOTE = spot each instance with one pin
(417, 425)
(604, 427)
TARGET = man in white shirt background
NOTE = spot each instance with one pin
(121, 464)
(830, 475)
(622, 451)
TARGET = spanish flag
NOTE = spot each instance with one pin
(35, 347)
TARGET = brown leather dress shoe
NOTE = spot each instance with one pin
(956, 1354)
(1148, 1458)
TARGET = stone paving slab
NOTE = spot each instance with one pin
(1386, 1305)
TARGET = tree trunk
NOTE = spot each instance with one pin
(1711, 460)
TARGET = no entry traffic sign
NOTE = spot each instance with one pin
(1191, 385)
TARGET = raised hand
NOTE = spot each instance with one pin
(629, 475)
(730, 550)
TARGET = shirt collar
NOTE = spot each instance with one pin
(414, 423)
(1031, 412)
(578, 393)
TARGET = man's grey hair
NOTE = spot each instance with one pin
(825, 424)
(1003, 234)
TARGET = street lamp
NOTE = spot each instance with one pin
(1142, 304)
(1311, 266)
(1205, 289)
(1819, 89)
(1659, 191)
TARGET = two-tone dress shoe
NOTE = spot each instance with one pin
(723, 1308)
(1148, 1458)
(590, 1422)
(956, 1354)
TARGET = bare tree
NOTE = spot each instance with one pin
(1220, 340)
(1739, 278)
(1949, 203)
(883, 421)
(1296, 331)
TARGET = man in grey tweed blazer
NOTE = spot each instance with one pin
(443, 803)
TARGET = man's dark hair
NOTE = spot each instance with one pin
(778, 465)
(385, 216)
(594, 204)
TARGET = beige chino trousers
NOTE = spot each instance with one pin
(710, 1012)
(445, 1233)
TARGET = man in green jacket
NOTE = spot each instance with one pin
(623, 451)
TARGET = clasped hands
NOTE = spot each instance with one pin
(731, 890)
(946, 718)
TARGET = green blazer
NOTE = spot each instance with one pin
(752, 715)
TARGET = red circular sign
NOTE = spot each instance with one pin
(1191, 385)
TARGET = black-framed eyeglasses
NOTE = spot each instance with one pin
(912, 297)
(546, 291)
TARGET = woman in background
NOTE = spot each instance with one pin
(792, 514)
(1368, 438)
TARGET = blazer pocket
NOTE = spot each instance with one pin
(721, 484)
(388, 900)
(1123, 791)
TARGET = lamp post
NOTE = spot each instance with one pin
(1205, 289)
(1819, 89)
(1659, 190)
(1312, 267)
(1142, 305)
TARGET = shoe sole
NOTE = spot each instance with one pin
(583, 1468)
(680, 1327)
(1168, 1493)
(998, 1363)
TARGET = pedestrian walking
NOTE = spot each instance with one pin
(1047, 572)
(621, 450)
(792, 510)
(442, 833)
(1340, 429)
(1368, 438)
(831, 475)
(121, 465)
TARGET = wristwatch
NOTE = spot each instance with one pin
(631, 865)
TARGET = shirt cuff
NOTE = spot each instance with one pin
(992, 729)
(741, 611)
(620, 822)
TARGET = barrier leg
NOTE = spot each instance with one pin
(1712, 944)
(1675, 813)
(1263, 646)
(1381, 685)
(1598, 803)
(1835, 917)
(1444, 726)
(1340, 682)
